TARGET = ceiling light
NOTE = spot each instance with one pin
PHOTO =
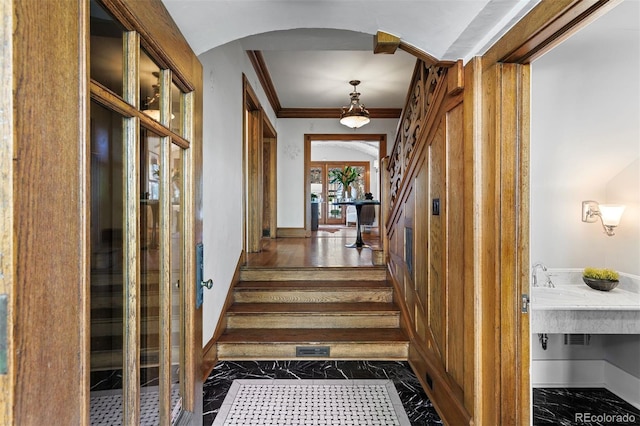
(357, 115)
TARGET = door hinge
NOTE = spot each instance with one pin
(525, 303)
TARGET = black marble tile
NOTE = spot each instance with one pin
(416, 403)
(581, 406)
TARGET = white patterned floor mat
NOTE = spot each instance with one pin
(312, 402)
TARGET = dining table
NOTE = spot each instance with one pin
(359, 243)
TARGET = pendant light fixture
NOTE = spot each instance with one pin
(356, 115)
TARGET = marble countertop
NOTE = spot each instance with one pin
(583, 297)
(574, 307)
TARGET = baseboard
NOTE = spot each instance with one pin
(292, 233)
(586, 374)
(623, 384)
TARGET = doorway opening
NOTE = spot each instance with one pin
(327, 152)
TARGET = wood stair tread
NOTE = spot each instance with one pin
(311, 308)
(313, 336)
(310, 285)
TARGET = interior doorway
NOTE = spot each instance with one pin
(324, 152)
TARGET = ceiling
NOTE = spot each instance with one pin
(311, 49)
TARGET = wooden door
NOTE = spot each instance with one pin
(75, 231)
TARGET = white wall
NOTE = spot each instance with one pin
(291, 159)
(585, 145)
(222, 174)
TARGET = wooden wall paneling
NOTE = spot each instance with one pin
(50, 229)
(422, 248)
(471, 213)
(455, 209)
(7, 377)
(437, 283)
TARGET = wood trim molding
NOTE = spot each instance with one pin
(387, 43)
(546, 26)
(259, 65)
(292, 233)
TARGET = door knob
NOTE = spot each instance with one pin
(208, 284)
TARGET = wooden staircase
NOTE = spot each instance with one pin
(313, 313)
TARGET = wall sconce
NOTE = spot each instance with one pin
(609, 214)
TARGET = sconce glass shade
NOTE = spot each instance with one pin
(376, 164)
(611, 213)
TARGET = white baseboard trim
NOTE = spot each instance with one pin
(623, 384)
(560, 373)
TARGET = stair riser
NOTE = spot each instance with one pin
(313, 321)
(287, 351)
(322, 274)
(330, 296)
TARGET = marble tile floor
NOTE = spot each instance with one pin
(295, 402)
(416, 403)
(581, 406)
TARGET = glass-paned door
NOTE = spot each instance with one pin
(139, 232)
(335, 214)
(107, 279)
(328, 193)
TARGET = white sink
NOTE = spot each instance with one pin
(573, 307)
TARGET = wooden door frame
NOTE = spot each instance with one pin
(255, 126)
(270, 192)
(381, 138)
(7, 377)
(497, 105)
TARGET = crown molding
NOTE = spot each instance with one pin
(260, 67)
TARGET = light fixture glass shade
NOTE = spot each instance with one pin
(354, 121)
(611, 213)
(356, 115)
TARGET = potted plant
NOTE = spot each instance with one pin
(600, 279)
(345, 177)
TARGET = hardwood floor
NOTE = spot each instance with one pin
(325, 248)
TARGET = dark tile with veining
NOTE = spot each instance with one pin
(416, 403)
(583, 406)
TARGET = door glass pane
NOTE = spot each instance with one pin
(149, 275)
(315, 178)
(334, 192)
(106, 264)
(177, 302)
(359, 184)
(149, 86)
(176, 109)
(106, 54)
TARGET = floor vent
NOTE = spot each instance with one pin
(577, 339)
(312, 351)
